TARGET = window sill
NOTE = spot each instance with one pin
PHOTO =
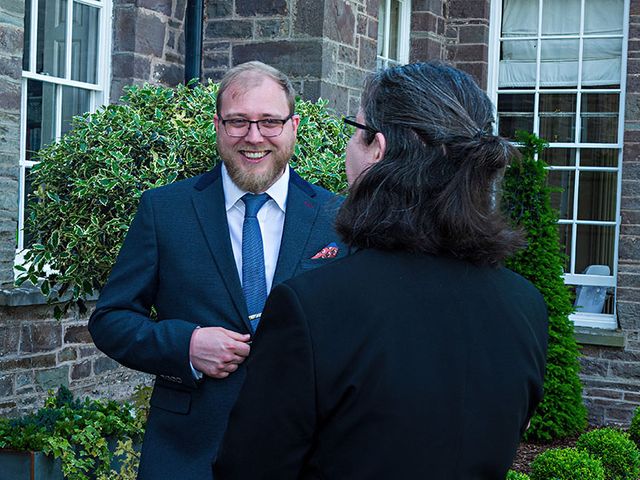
(21, 296)
(28, 295)
(599, 336)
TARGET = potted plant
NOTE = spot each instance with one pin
(67, 438)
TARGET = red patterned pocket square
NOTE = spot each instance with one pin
(330, 251)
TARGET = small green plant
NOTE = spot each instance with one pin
(566, 464)
(87, 184)
(526, 200)
(634, 428)
(513, 475)
(128, 458)
(75, 431)
(615, 449)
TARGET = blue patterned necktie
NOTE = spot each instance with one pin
(254, 283)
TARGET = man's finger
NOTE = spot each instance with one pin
(241, 349)
(240, 337)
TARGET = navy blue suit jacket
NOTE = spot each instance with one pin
(177, 258)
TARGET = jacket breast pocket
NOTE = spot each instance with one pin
(172, 400)
(311, 263)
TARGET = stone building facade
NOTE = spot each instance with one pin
(326, 47)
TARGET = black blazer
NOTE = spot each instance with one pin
(389, 366)
(178, 258)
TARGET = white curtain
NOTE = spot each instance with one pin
(559, 57)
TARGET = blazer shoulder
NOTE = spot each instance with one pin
(317, 193)
(182, 187)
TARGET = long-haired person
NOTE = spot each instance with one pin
(419, 356)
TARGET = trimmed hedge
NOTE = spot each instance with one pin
(615, 449)
(566, 464)
(513, 475)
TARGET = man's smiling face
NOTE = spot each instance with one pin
(254, 161)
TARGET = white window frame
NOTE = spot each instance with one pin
(404, 31)
(606, 321)
(99, 91)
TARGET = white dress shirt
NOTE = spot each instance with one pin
(270, 218)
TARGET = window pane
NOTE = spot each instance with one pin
(381, 21)
(559, 157)
(515, 113)
(602, 60)
(518, 63)
(27, 35)
(599, 157)
(565, 231)
(519, 18)
(52, 26)
(603, 17)
(84, 56)
(597, 196)
(561, 17)
(559, 62)
(28, 239)
(40, 116)
(600, 118)
(562, 186)
(558, 117)
(75, 101)
(594, 246)
(393, 29)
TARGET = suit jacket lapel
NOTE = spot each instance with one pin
(300, 216)
(208, 201)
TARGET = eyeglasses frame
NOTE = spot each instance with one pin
(350, 120)
(257, 122)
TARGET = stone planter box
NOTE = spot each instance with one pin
(19, 465)
(15, 465)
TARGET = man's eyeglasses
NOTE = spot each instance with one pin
(351, 120)
(268, 127)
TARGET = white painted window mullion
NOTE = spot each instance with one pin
(68, 41)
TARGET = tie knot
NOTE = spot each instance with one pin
(253, 203)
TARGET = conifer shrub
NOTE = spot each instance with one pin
(566, 464)
(634, 428)
(88, 184)
(526, 201)
(615, 449)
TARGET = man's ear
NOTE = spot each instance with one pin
(216, 120)
(379, 145)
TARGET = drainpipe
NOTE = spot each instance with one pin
(193, 40)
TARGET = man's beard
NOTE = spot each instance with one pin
(258, 182)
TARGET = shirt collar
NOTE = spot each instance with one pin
(278, 191)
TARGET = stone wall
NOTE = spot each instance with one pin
(325, 47)
(456, 31)
(11, 45)
(428, 27)
(148, 43)
(467, 33)
(611, 376)
(38, 353)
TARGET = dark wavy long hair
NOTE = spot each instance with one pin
(435, 190)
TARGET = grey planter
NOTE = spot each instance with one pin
(15, 465)
(18, 465)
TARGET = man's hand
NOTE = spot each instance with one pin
(217, 352)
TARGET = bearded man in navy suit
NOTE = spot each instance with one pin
(183, 257)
